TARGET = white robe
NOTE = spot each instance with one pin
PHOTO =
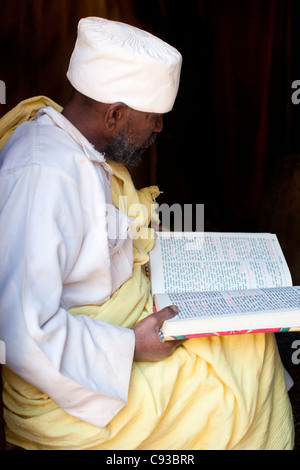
(62, 244)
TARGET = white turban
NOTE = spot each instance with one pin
(114, 62)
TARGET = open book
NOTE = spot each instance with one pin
(223, 283)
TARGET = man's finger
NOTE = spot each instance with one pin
(166, 313)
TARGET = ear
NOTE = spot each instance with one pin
(115, 115)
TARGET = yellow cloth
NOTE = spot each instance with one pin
(212, 393)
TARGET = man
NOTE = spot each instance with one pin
(85, 364)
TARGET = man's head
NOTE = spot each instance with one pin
(132, 137)
(116, 130)
(127, 79)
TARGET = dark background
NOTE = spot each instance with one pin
(232, 141)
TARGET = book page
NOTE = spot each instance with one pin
(232, 303)
(204, 261)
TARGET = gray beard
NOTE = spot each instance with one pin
(121, 151)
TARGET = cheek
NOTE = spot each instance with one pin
(141, 129)
(142, 136)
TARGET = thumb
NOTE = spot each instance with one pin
(166, 313)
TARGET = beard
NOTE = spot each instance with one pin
(122, 151)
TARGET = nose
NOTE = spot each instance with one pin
(159, 123)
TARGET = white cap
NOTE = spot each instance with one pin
(114, 62)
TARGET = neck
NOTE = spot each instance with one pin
(87, 116)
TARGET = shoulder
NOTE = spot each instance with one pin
(40, 143)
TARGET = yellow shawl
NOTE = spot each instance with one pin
(212, 393)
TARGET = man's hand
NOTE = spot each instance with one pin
(148, 346)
